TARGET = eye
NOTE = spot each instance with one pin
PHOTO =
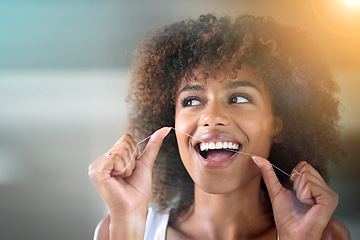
(190, 101)
(240, 98)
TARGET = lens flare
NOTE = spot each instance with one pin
(352, 3)
(339, 16)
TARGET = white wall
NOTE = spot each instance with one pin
(53, 124)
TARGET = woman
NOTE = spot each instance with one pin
(251, 86)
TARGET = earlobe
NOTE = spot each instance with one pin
(278, 127)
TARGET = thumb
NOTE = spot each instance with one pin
(152, 148)
(272, 182)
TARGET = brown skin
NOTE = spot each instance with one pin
(232, 192)
(227, 200)
(126, 193)
(241, 122)
(333, 231)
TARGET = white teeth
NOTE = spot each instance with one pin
(218, 145)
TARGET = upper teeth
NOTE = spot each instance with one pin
(218, 145)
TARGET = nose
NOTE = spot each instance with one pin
(214, 115)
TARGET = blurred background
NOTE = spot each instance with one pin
(64, 68)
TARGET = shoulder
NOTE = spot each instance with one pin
(336, 230)
(156, 225)
(102, 229)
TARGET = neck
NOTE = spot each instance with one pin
(234, 215)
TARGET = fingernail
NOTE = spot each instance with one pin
(169, 129)
(253, 157)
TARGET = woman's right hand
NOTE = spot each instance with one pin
(127, 193)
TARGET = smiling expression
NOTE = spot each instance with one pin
(225, 115)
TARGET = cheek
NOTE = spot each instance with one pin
(186, 122)
(260, 141)
(185, 125)
(182, 128)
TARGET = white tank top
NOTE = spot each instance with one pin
(156, 225)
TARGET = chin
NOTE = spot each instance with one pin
(225, 184)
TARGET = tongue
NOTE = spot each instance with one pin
(218, 155)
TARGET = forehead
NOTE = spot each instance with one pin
(224, 75)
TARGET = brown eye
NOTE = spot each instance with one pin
(239, 99)
(190, 101)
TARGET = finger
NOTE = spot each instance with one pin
(114, 161)
(310, 190)
(272, 182)
(304, 167)
(304, 188)
(304, 177)
(152, 148)
(131, 166)
(324, 202)
(295, 173)
(123, 155)
(126, 137)
(125, 142)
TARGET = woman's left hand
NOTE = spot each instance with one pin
(304, 212)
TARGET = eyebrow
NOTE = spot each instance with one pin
(236, 84)
(191, 88)
(230, 85)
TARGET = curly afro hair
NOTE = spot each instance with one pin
(286, 59)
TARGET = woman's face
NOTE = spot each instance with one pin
(229, 115)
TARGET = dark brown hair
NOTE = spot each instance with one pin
(301, 87)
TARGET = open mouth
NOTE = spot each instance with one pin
(217, 151)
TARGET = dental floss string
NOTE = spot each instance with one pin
(132, 156)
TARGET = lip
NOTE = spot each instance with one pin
(218, 137)
(216, 164)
